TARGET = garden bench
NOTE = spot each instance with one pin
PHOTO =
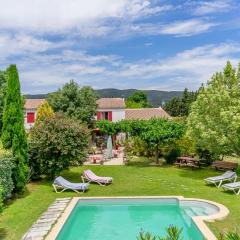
(222, 165)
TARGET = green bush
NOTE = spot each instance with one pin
(6, 165)
(172, 155)
(55, 144)
(1, 198)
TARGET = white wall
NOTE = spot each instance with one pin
(117, 114)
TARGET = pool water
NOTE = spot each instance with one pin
(123, 219)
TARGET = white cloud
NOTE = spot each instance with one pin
(215, 6)
(187, 27)
(189, 68)
(59, 16)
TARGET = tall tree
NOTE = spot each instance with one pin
(13, 132)
(214, 121)
(180, 106)
(74, 101)
(137, 100)
(3, 84)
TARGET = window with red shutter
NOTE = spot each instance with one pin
(30, 117)
(110, 116)
(98, 115)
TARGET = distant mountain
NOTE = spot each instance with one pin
(155, 97)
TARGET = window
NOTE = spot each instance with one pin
(30, 117)
(104, 115)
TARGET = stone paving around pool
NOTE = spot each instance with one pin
(43, 225)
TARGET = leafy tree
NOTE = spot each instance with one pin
(107, 127)
(180, 106)
(55, 144)
(13, 132)
(3, 85)
(214, 121)
(74, 101)
(137, 100)
(44, 112)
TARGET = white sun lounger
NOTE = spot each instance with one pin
(92, 177)
(218, 180)
(235, 187)
(62, 183)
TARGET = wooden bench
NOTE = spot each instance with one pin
(222, 165)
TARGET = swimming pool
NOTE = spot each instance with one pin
(124, 218)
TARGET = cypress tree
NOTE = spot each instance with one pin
(13, 132)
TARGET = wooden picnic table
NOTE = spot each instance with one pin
(188, 162)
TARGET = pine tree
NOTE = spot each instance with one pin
(44, 111)
(13, 132)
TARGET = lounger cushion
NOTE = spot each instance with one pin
(93, 177)
(60, 181)
(226, 175)
(232, 185)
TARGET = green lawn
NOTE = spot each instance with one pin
(128, 181)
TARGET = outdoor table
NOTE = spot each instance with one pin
(188, 161)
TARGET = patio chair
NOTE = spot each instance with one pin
(235, 187)
(218, 180)
(60, 182)
(89, 176)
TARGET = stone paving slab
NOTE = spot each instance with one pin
(43, 225)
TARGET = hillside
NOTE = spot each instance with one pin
(155, 97)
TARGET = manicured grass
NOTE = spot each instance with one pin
(137, 180)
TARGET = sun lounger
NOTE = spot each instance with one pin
(62, 183)
(235, 187)
(218, 180)
(89, 176)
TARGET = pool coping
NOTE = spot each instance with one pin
(198, 220)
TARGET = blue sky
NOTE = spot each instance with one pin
(144, 44)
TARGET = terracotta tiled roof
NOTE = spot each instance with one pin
(110, 103)
(146, 113)
(33, 103)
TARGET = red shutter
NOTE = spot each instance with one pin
(98, 115)
(30, 117)
(110, 116)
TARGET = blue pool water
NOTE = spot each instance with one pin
(123, 219)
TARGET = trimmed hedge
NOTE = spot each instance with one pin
(6, 165)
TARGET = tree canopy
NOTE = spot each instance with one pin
(55, 144)
(180, 106)
(3, 85)
(214, 121)
(74, 101)
(156, 133)
(137, 100)
(44, 112)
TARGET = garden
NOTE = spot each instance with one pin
(62, 138)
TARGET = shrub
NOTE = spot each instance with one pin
(55, 144)
(172, 155)
(1, 198)
(6, 165)
(173, 233)
(44, 112)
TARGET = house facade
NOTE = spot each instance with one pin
(30, 111)
(111, 109)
